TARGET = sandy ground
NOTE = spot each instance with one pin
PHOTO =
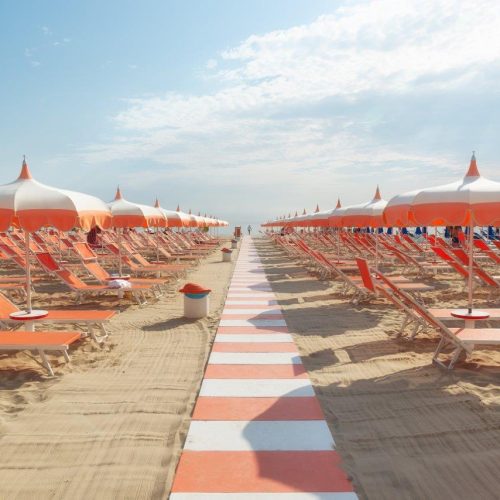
(112, 423)
(404, 428)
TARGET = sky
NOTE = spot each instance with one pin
(249, 109)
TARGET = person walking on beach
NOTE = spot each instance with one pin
(249, 229)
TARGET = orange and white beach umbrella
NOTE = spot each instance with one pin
(31, 205)
(127, 214)
(365, 214)
(471, 201)
(174, 218)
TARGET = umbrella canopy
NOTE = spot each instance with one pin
(174, 218)
(450, 204)
(473, 199)
(31, 205)
(366, 214)
(466, 202)
(397, 211)
(128, 214)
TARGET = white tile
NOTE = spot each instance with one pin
(253, 337)
(256, 311)
(257, 388)
(252, 322)
(254, 358)
(255, 435)
(264, 496)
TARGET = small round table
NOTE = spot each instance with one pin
(470, 318)
(29, 317)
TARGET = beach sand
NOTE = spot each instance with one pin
(404, 428)
(112, 423)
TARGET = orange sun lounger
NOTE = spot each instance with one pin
(42, 342)
(90, 318)
(461, 339)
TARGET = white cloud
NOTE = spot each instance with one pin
(46, 30)
(211, 64)
(281, 113)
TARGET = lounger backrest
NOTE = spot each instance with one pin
(482, 245)
(412, 242)
(6, 307)
(70, 279)
(416, 306)
(365, 274)
(96, 270)
(478, 270)
(139, 258)
(462, 256)
(113, 248)
(47, 261)
(84, 251)
(440, 252)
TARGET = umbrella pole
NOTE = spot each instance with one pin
(60, 247)
(119, 252)
(376, 249)
(28, 270)
(157, 245)
(471, 257)
(338, 244)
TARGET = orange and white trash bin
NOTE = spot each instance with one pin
(196, 300)
(226, 254)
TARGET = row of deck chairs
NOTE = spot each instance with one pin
(350, 259)
(73, 263)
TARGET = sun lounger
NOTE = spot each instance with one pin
(89, 261)
(370, 281)
(91, 319)
(478, 271)
(81, 288)
(483, 247)
(461, 339)
(42, 342)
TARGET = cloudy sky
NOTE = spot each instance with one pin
(249, 109)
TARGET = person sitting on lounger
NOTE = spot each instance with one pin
(92, 236)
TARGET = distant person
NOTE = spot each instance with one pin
(249, 229)
(92, 238)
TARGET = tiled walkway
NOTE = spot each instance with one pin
(257, 430)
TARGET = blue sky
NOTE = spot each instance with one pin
(249, 109)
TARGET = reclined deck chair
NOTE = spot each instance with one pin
(483, 247)
(100, 274)
(42, 342)
(370, 282)
(91, 319)
(479, 272)
(446, 257)
(81, 288)
(175, 269)
(461, 339)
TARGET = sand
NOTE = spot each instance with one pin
(112, 423)
(404, 428)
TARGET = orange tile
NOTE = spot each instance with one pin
(252, 329)
(252, 316)
(220, 408)
(255, 371)
(262, 471)
(254, 347)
